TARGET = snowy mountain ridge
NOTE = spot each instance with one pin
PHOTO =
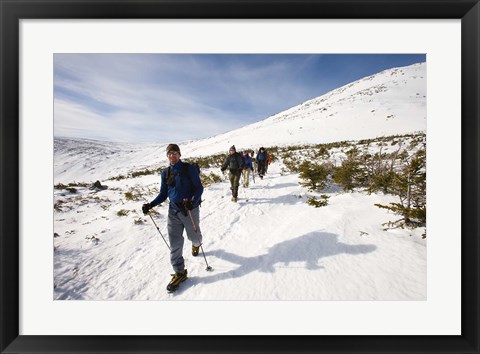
(388, 103)
(368, 86)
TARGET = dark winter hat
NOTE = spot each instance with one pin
(173, 147)
(233, 148)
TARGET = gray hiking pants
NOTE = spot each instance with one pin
(177, 222)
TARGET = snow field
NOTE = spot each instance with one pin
(271, 247)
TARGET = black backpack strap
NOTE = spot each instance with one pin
(186, 166)
(186, 171)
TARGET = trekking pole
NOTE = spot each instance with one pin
(208, 269)
(159, 231)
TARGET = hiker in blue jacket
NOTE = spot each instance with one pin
(181, 183)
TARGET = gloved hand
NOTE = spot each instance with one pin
(188, 204)
(146, 208)
(223, 169)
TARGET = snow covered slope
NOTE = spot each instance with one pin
(388, 103)
(270, 245)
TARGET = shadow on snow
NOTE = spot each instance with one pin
(309, 248)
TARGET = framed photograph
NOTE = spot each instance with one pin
(67, 65)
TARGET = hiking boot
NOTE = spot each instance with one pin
(195, 250)
(177, 278)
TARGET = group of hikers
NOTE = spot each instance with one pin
(181, 184)
(241, 164)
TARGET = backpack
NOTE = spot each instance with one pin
(246, 161)
(236, 161)
(261, 156)
(184, 172)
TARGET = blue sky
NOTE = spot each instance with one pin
(176, 97)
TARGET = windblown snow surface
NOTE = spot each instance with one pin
(270, 245)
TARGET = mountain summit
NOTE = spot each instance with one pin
(388, 103)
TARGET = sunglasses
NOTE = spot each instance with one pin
(172, 153)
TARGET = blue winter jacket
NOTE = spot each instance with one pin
(185, 187)
(262, 156)
(247, 163)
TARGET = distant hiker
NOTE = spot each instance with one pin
(261, 161)
(247, 167)
(234, 163)
(181, 183)
(268, 161)
(254, 161)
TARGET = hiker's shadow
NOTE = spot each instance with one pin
(307, 250)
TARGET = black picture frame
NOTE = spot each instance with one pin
(11, 11)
